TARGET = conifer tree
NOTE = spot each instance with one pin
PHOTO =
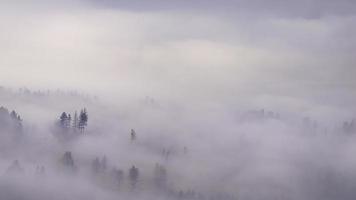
(83, 119)
(63, 119)
(133, 176)
(160, 176)
(75, 121)
(68, 162)
(133, 135)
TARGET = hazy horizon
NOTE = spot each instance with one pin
(230, 99)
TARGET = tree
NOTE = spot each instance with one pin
(68, 121)
(13, 115)
(75, 121)
(16, 121)
(40, 171)
(15, 167)
(117, 176)
(10, 121)
(133, 135)
(68, 162)
(95, 165)
(133, 176)
(63, 119)
(99, 165)
(83, 119)
(160, 176)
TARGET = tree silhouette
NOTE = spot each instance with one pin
(133, 135)
(68, 162)
(75, 121)
(63, 119)
(83, 119)
(133, 176)
(160, 176)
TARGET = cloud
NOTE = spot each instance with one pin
(200, 50)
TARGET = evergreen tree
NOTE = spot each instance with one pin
(133, 135)
(117, 176)
(75, 121)
(16, 121)
(133, 176)
(99, 165)
(13, 115)
(69, 121)
(95, 165)
(63, 119)
(160, 176)
(83, 119)
(68, 162)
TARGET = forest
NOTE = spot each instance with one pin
(87, 150)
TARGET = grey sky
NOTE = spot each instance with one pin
(219, 51)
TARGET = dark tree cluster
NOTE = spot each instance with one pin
(68, 126)
(112, 178)
(115, 176)
(10, 121)
(77, 123)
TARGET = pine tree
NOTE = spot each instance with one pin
(63, 119)
(117, 176)
(96, 165)
(16, 121)
(68, 121)
(13, 115)
(133, 176)
(160, 176)
(68, 162)
(133, 135)
(75, 121)
(83, 119)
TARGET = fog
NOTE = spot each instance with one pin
(208, 100)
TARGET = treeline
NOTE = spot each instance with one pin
(118, 180)
(41, 94)
(307, 124)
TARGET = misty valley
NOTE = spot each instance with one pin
(67, 145)
(177, 100)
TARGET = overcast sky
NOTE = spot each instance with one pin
(212, 50)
